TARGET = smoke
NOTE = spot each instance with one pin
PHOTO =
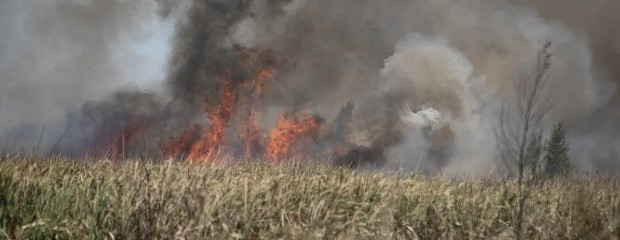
(427, 118)
(428, 71)
(593, 140)
(451, 61)
(593, 19)
(339, 57)
(56, 55)
(463, 59)
(416, 145)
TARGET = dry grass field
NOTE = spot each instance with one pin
(60, 199)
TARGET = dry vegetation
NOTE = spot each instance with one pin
(54, 198)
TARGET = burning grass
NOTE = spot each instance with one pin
(47, 198)
(227, 124)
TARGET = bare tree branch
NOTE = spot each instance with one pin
(521, 124)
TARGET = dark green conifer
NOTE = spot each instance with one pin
(556, 152)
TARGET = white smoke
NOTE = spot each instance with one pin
(428, 71)
(427, 119)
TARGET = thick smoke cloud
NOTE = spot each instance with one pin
(343, 52)
(425, 77)
(594, 140)
(56, 55)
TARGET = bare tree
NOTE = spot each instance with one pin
(519, 133)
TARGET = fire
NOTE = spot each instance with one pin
(252, 55)
(251, 130)
(178, 147)
(212, 138)
(288, 132)
(114, 144)
(251, 135)
(339, 151)
(259, 80)
(203, 146)
(286, 139)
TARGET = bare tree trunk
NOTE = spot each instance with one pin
(516, 132)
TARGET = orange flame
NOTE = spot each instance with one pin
(288, 132)
(282, 141)
(211, 139)
(176, 147)
(250, 133)
(259, 80)
(252, 55)
(202, 142)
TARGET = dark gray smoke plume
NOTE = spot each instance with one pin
(424, 78)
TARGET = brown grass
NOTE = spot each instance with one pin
(55, 198)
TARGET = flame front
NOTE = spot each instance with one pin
(238, 110)
(178, 147)
(205, 145)
(288, 132)
(212, 139)
(251, 130)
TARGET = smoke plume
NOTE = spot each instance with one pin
(56, 55)
(421, 80)
(593, 140)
